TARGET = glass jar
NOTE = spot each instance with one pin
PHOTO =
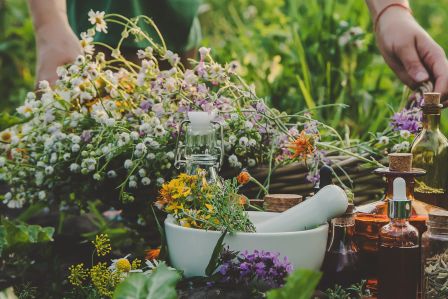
(435, 256)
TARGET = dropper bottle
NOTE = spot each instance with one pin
(399, 252)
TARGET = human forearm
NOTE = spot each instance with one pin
(55, 41)
(376, 6)
(48, 13)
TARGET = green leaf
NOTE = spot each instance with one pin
(164, 245)
(7, 120)
(161, 284)
(299, 285)
(213, 263)
(14, 233)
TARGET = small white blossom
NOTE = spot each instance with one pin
(134, 135)
(150, 156)
(160, 181)
(251, 162)
(42, 195)
(243, 141)
(74, 167)
(248, 125)
(128, 164)
(2, 161)
(146, 181)
(75, 148)
(159, 130)
(132, 184)
(111, 174)
(170, 155)
(49, 170)
(142, 172)
(97, 19)
(405, 134)
(383, 140)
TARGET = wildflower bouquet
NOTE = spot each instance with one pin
(112, 124)
(195, 203)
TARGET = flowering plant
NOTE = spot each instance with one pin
(100, 279)
(195, 203)
(113, 123)
(258, 266)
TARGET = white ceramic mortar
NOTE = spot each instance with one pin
(190, 249)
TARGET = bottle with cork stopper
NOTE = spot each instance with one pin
(399, 249)
(371, 217)
(430, 152)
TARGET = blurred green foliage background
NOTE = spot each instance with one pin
(299, 55)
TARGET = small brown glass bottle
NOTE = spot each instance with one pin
(341, 263)
(399, 251)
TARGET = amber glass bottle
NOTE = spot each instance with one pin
(399, 252)
(341, 264)
(371, 217)
(430, 152)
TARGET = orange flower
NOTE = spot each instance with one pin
(242, 200)
(152, 254)
(243, 178)
(302, 146)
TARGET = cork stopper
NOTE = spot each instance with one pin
(401, 162)
(281, 202)
(431, 98)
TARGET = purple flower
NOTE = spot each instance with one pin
(145, 105)
(407, 119)
(86, 136)
(257, 266)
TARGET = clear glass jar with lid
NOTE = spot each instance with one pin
(435, 256)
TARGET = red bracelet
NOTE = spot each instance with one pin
(386, 8)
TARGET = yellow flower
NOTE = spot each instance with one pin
(104, 280)
(123, 265)
(5, 136)
(102, 244)
(77, 274)
(209, 207)
(174, 207)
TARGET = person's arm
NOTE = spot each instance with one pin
(406, 47)
(55, 41)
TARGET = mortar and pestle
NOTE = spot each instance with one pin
(300, 233)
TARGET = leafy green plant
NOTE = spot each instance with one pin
(300, 285)
(355, 291)
(161, 284)
(14, 233)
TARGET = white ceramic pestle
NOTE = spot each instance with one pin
(331, 201)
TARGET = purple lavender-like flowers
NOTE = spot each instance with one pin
(407, 119)
(256, 267)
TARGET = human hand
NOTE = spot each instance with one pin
(56, 45)
(411, 53)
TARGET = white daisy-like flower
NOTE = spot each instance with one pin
(87, 44)
(97, 18)
(49, 170)
(405, 134)
(383, 140)
(142, 172)
(159, 130)
(232, 139)
(248, 125)
(233, 160)
(150, 156)
(16, 203)
(76, 147)
(25, 110)
(41, 195)
(134, 135)
(160, 181)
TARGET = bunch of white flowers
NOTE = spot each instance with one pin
(115, 123)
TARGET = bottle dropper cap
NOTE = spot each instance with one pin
(400, 205)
